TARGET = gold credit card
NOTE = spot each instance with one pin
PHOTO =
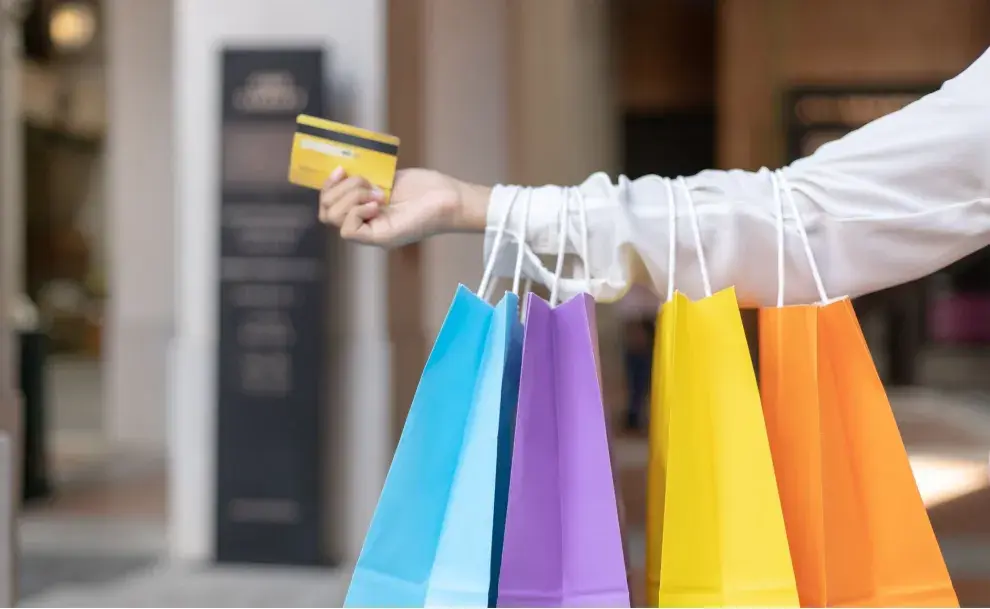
(320, 146)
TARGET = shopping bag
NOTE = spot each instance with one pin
(858, 529)
(563, 543)
(435, 537)
(723, 542)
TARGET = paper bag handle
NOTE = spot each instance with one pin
(576, 193)
(487, 285)
(561, 249)
(784, 185)
(671, 236)
(697, 236)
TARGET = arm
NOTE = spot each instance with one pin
(893, 201)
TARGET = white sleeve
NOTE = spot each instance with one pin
(893, 201)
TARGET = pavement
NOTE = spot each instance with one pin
(948, 439)
(103, 546)
(172, 585)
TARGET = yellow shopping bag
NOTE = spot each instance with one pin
(723, 541)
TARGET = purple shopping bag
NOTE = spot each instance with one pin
(563, 544)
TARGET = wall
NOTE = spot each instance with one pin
(354, 33)
(664, 54)
(765, 46)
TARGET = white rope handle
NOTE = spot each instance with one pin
(521, 245)
(671, 236)
(789, 194)
(697, 236)
(778, 203)
(520, 254)
(585, 261)
(527, 288)
(496, 247)
(561, 249)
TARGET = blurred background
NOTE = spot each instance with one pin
(182, 429)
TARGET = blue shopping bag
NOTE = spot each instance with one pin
(436, 536)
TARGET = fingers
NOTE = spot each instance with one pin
(356, 197)
(355, 220)
(343, 193)
(329, 193)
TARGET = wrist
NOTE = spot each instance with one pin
(472, 211)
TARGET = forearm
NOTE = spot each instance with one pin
(894, 201)
(471, 216)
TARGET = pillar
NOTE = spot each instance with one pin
(747, 83)
(11, 286)
(406, 300)
(465, 124)
(140, 316)
(747, 98)
(563, 117)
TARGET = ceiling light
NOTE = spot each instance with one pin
(72, 26)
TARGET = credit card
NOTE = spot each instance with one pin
(320, 146)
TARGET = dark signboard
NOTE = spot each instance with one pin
(820, 114)
(271, 352)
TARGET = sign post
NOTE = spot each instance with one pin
(273, 310)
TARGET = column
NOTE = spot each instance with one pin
(140, 316)
(563, 119)
(11, 285)
(465, 125)
(747, 91)
(514, 92)
(354, 36)
(406, 67)
(746, 84)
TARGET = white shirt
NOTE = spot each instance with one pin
(890, 202)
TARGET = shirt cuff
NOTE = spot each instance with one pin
(607, 221)
(542, 228)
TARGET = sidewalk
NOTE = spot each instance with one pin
(948, 436)
(185, 586)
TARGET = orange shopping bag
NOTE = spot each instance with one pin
(856, 524)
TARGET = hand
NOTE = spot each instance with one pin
(423, 203)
